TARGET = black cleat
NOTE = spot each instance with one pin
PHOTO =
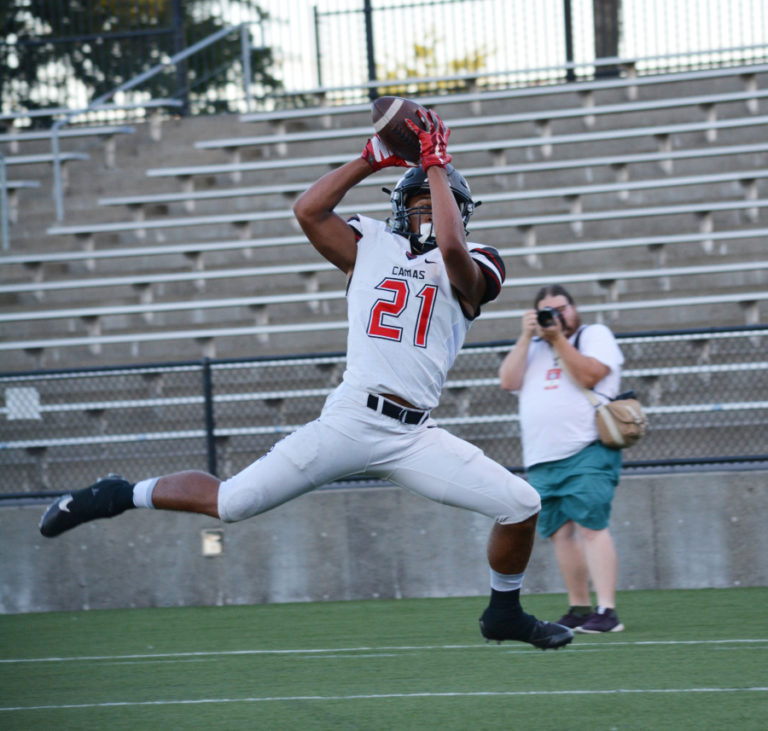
(107, 497)
(504, 625)
(549, 635)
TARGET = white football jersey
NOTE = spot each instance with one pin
(406, 325)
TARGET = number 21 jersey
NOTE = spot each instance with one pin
(406, 324)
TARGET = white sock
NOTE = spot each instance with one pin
(506, 582)
(142, 493)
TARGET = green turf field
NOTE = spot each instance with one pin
(688, 660)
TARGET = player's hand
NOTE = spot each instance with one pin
(379, 156)
(433, 139)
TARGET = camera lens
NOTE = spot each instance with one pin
(545, 316)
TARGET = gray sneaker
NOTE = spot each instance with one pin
(601, 620)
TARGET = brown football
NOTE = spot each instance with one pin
(389, 114)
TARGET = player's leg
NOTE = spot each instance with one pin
(105, 498)
(190, 491)
(309, 457)
(449, 470)
(510, 546)
(509, 550)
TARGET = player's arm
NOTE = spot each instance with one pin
(465, 274)
(328, 232)
(314, 210)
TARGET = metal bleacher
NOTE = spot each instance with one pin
(93, 318)
(599, 210)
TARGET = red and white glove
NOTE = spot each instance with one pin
(379, 156)
(433, 139)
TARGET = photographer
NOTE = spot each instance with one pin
(575, 474)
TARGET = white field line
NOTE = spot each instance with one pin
(347, 650)
(387, 696)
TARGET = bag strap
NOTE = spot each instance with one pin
(578, 336)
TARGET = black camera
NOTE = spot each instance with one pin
(546, 316)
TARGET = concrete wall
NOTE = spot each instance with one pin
(672, 531)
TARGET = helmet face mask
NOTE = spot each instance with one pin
(413, 182)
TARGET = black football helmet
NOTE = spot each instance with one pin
(415, 181)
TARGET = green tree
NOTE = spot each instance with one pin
(50, 56)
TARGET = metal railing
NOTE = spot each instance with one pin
(135, 82)
(448, 43)
(705, 392)
(358, 46)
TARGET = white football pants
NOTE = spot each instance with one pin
(350, 439)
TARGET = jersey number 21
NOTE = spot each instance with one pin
(379, 326)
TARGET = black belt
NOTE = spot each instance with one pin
(395, 411)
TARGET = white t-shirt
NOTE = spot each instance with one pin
(556, 418)
(406, 325)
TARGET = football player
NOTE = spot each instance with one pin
(414, 287)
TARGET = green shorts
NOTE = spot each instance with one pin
(578, 488)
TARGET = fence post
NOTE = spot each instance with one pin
(606, 22)
(210, 422)
(182, 66)
(570, 74)
(370, 52)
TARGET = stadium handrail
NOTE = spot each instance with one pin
(127, 85)
(44, 134)
(44, 157)
(12, 188)
(15, 184)
(106, 107)
(107, 133)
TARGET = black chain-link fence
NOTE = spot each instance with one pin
(706, 394)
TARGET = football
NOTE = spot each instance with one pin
(389, 114)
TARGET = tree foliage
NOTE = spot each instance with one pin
(61, 53)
